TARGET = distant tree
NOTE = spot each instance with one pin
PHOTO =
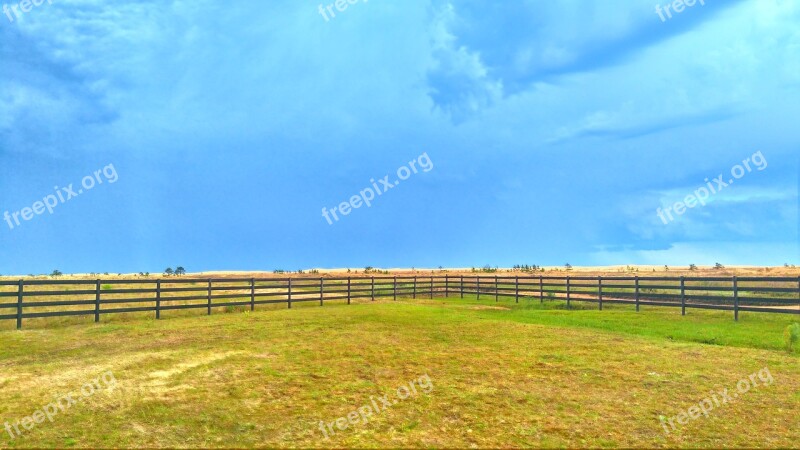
(56, 273)
(692, 267)
(488, 269)
(368, 269)
(168, 271)
(568, 266)
(180, 271)
(666, 268)
(718, 266)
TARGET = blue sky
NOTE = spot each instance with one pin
(555, 129)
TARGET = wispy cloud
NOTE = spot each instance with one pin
(602, 125)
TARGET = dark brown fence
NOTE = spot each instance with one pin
(31, 299)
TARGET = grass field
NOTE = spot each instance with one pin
(501, 374)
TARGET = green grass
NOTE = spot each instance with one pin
(754, 330)
(503, 375)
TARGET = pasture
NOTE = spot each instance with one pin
(501, 374)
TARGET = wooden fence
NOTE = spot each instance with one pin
(31, 299)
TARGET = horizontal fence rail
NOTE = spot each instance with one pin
(32, 299)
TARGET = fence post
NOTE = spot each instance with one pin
(735, 299)
(683, 296)
(415, 287)
(496, 291)
(600, 291)
(431, 292)
(97, 302)
(209, 296)
(462, 286)
(516, 288)
(478, 286)
(348, 290)
(446, 286)
(252, 294)
(158, 299)
(394, 288)
(290, 293)
(372, 287)
(568, 295)
(19, 304)
(321, 290)
(541, 290)
(637, 292)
